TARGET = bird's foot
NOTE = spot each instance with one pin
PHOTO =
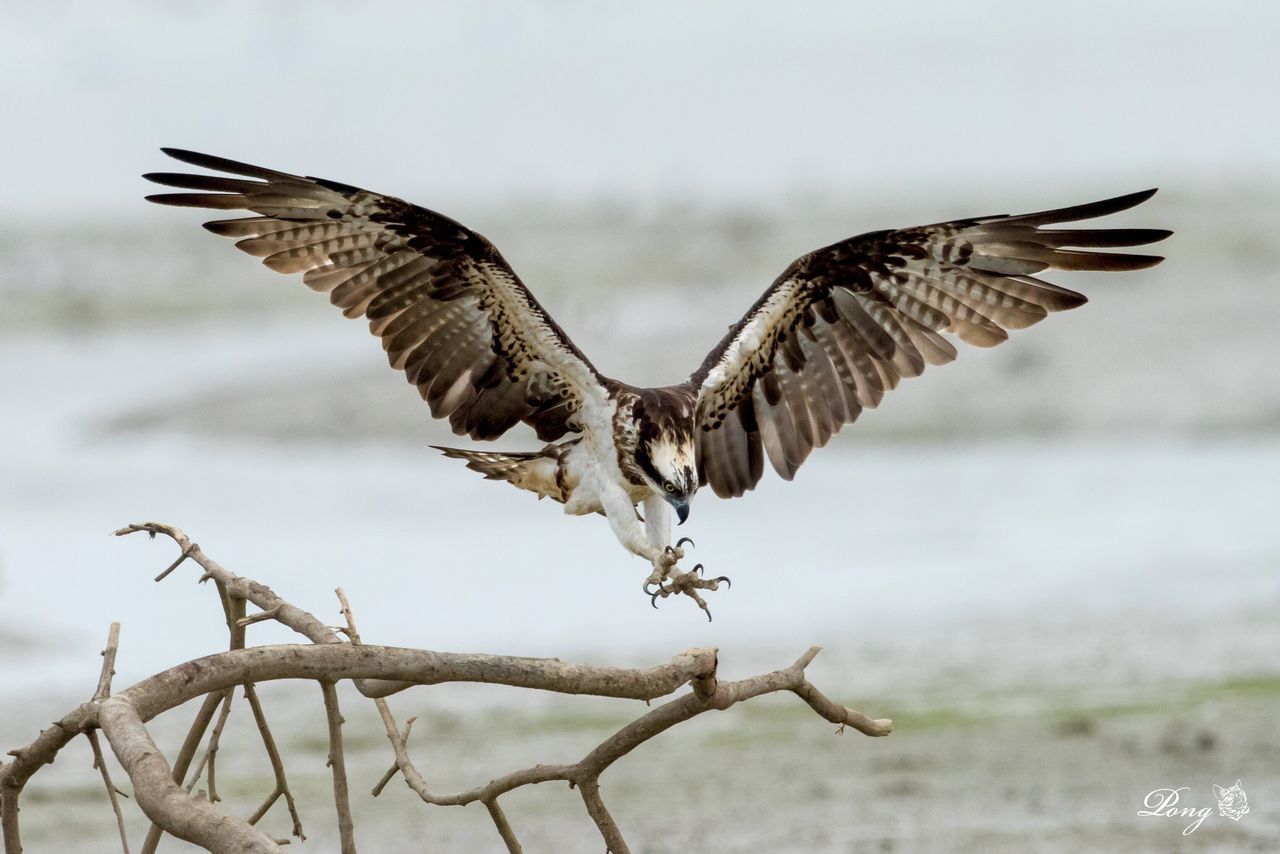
(666, 581)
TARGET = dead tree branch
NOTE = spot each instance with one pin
(302, 622)
(338, 762)
(277, 767)
(164, 801)
(99, 763)
(112, 793)
(377, 671)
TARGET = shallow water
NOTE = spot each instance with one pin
(874, 543)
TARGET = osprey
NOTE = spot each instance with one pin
(840, 327)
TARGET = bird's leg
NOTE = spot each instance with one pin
(657, 530)
(629, 530)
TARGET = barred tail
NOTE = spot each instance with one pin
(535, 471)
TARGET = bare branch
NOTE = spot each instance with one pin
(337, 761)
(101, 765)
(185, 754)
(186, 553)
(839, 714)
(179, 813)
(302, 622)
(352, 633)
(590, 790)
(9, 793)
(265, 807)
(258, 617)
(585, 773)
(103, 691)
(177, 685)
(108, 663)
(377, 671)
(395, 767)
(504, 827)
(277, 766)
(28, 760)
(209, 758)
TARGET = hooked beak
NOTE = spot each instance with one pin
(682, 511)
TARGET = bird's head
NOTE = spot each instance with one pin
(665, 453)
(668, 465)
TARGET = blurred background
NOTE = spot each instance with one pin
(1054, 563)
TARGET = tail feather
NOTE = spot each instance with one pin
(534, 471)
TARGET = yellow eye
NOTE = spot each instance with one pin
(669, 486)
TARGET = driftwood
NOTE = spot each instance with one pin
(377, 672)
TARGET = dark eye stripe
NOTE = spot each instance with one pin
(646, 464)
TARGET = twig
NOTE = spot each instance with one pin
(265, 806)
(103, 691)
(210, 756)
(258, 617)
(277, 766)
(285, 613)
(337, 761)
(234, 604)
(352, 633)
(395, 768)
(108, 663)
(504, 827)
(186, 553)
(100, 764)
(590, 790)
(230, 610)
(26, 761)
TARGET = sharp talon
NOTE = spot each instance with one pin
(653, 600)
(697, 569)
(645, 587)
(726, 580)
(708, 610)
(669, 550)
(680, 542)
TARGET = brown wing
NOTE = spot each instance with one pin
(842, 325)
(449, 310)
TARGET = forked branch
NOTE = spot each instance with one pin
(377, 672)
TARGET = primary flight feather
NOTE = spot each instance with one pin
(840, 327)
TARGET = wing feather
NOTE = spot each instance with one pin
(844, 324)
(449, 310)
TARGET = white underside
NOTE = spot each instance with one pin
(597, 484)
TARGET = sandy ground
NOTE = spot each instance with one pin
(1053, 564)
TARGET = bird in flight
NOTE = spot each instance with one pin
(841, 326)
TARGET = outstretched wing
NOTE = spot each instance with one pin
(449, 310)
(842, 325)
